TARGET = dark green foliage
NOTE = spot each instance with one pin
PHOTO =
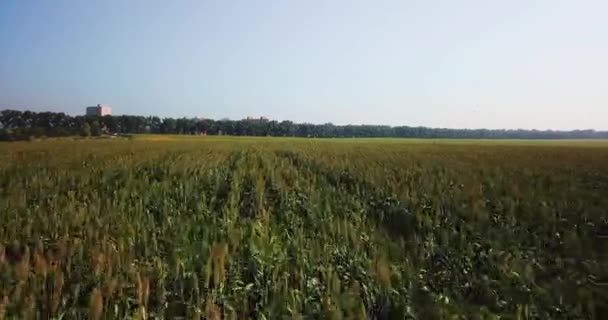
(85, 129)
(60, 124)
(95, 129)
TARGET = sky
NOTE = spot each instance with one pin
(457, 64)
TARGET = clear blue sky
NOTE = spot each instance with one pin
(494, 64)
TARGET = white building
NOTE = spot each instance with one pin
(99, 110)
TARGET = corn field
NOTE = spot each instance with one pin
(270, 228)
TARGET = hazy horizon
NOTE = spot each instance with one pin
(472, 64)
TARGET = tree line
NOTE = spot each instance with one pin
(23, 125)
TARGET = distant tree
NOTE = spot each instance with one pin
(168, 125)
(111, 123)
(6, 135)
(95, 128)
(19, 125)
(85, 129)
(154, 124)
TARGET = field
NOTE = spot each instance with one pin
(270, 228)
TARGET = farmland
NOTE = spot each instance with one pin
(236, 228)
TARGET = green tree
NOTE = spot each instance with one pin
(85, 130)
(95, 128)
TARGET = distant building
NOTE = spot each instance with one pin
(262, 118)
(99, 110)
